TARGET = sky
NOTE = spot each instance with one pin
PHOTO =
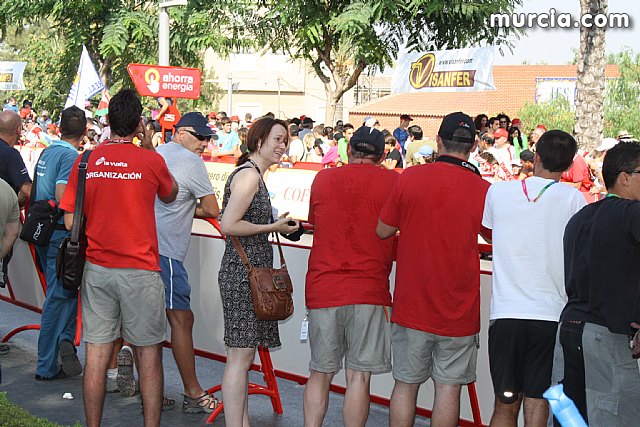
(554, 46)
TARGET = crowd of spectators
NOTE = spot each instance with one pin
(433, 329)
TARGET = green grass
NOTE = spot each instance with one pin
(14, 416)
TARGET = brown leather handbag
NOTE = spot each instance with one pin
(271, 288)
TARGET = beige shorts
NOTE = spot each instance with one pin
(357, 333)
(419, 355)
(122, 302)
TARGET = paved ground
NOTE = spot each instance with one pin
(44, 399)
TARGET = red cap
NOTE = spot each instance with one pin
(516, 121)
(51, 127)
(235, 119)
(501, 133)
(543, 127)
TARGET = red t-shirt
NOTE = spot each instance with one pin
(579, 172)
(120, 190)
(348, 263)
(170, 118)
(438, 209)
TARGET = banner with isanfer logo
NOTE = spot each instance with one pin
(457, 70)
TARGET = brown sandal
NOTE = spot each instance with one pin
(206, 403)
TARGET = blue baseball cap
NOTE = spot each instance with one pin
(197, 121)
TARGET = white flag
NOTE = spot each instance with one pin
(86, 83)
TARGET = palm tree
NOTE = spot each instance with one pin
(590, 87)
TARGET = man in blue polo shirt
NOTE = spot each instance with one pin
(228, 141)
(58, 322)
(401, 134)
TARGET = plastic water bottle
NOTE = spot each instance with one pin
(563, 407)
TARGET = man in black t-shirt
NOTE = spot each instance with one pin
(393, 159)
(602, 315)
(12, 168)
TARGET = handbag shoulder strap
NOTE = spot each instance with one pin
(283, 263)
(32, 195)
(236, 242)
(77, 212)
(243, 255)
(241, 252)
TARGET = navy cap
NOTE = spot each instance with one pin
(368, 140)
(197, 121)
(457, 127)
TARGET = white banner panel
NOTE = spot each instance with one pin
(11, 75)
(290, 190)
(551, 88)
(459, 70)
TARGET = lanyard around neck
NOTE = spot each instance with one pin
(526, 193)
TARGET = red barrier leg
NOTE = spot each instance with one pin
(270, 379)
(43, 283)
(475, 406)
(78, 337)
(270, 390)
(20, 329)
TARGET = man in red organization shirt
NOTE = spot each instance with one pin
(122, 292)
(436, 300)
(347, 290)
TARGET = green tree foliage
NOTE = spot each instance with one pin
(621, 106)
(556, 114)
(116, 33)
(341, 38)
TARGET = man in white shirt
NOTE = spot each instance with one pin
(296, 149)
(502, 150)
(528, 280)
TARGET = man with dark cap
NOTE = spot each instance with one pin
(306, 127)
(436, 316)
(174, 222)
(347, 291)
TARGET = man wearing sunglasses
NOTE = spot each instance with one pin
(599, 338)
(174, 223)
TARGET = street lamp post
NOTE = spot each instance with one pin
(163, 29)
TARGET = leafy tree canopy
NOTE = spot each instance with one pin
(49, 34)
(341, 38)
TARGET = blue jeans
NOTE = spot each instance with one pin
(59, 311)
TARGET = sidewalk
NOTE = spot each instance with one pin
(44, 399)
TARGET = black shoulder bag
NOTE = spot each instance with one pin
(42, 217)
(71, 255)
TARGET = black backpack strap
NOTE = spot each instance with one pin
(77, 212)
